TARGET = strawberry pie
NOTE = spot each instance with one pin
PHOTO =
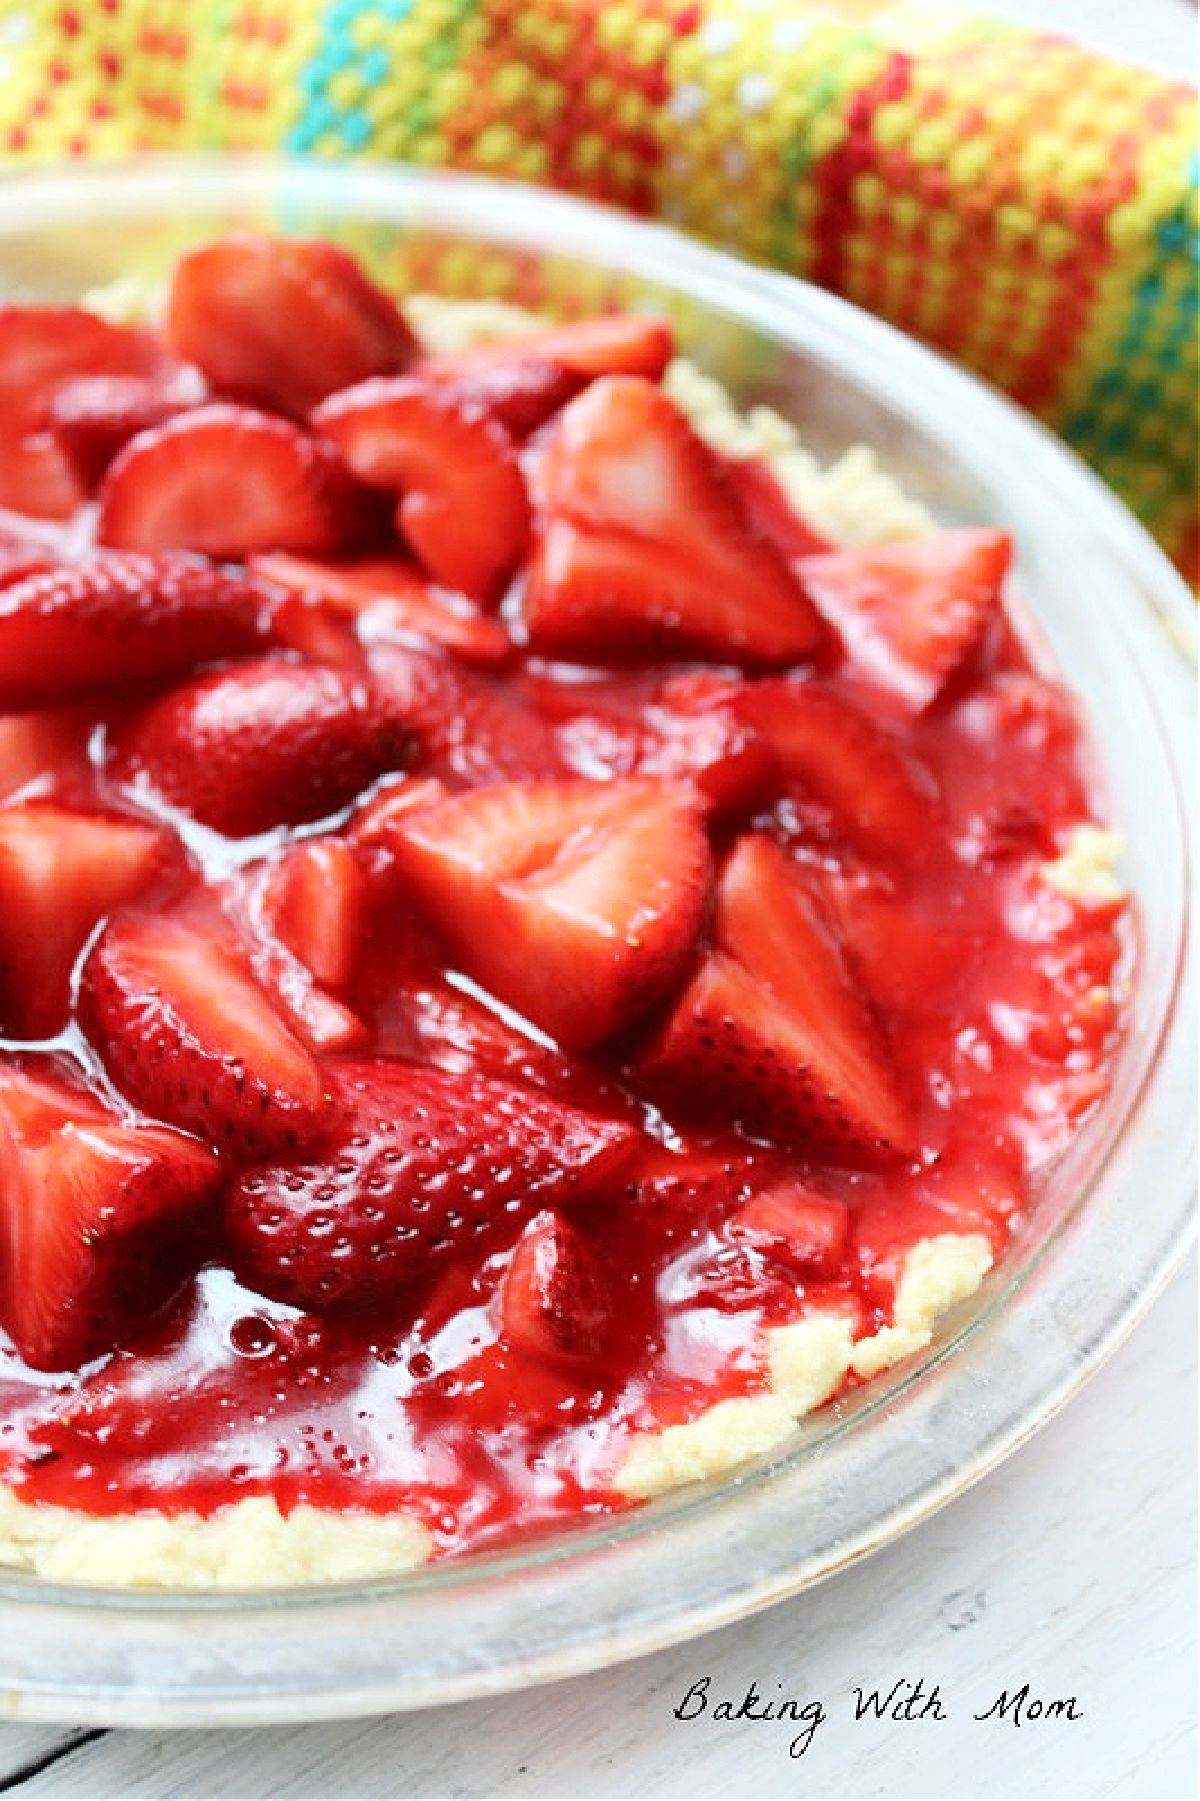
(542, 935)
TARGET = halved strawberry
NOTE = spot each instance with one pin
(314, 899)
(229, 481)
(188, 1034)
(647, 543)
(467, 729)
(578, 903)
(912, 613)
(794, 1225)
(553, 1304)
(521, 394)
(120, 618)
(40, 348)
(880, 798)
(60, 873)
(773, 1027)
(390, 598)
(421, 1166)
(265, 743)
(614, 344)
(282, 322)
(464, 509)
(94, 416)
(98, 1219)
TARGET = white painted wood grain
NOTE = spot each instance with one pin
(1072, 1568)
(21, 1746)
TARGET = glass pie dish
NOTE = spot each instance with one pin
(1115, 621)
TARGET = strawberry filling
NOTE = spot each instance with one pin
(496, 911)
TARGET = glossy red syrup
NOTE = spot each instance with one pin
(987, 996)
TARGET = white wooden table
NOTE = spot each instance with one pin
(1072, 1569)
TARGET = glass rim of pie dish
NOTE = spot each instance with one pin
(1069, 1289)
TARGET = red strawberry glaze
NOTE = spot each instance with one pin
(988, 987)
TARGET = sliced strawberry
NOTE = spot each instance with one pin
(464, 511)
(729, 769)
(912, 613)
(372, 825)
(40, 750)
(905, 960)
(520, 395)
(708, 745)
(616, 344)
(93, 416)
(187, 1033)
(467, 729)
(553, 1303)
(98, 1219)
(623, 457)
(283, 322)
(40, 348)
(578, 903)
(229, 481)
(679, 1192)
(319, 633)
(60, 873)
(422, 1165)
(770, 512)
(447, 1026)
(301, 918)
(372, 822)
(793, 1225)
(391, 598)
(608, 595)
(321, 1021)
(881, 799)
(773, 1028)
(263, 744)
(314, 901)
(120, 618)
(36, 475)
(647, 543)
